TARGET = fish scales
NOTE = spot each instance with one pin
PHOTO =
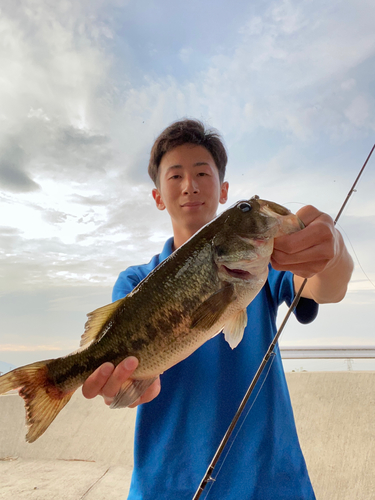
(164, 329)
(203, 288)
(169, 311)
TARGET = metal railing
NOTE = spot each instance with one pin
(327, 352)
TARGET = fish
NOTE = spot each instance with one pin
(200, 290)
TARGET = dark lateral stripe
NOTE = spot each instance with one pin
(79, 366)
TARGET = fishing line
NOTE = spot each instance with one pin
(208, 475)
(356, 256)
(213, 479)
(347, 237)
(249, 391)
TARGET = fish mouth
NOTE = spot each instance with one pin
(237, 273)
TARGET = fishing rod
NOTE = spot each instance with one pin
(208, 475)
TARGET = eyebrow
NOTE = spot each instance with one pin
(198, 164)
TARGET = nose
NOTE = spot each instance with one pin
(191, 185)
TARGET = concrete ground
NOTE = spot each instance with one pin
(87, 451)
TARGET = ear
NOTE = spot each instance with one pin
(224, 192)
(157, 197)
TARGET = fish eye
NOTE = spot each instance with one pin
(245, 207)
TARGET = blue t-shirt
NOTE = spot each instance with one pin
(178, 432)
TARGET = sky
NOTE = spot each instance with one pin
(85, 88)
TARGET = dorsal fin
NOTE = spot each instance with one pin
(96, 320)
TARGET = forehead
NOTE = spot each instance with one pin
(186, 155)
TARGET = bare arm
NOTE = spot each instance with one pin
(318, 253)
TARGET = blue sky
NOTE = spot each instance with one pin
(85, 88)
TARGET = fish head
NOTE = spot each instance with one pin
(287, 221)
(244, 244)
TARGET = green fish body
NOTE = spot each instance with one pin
(203, 288)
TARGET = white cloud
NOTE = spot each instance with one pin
(185, 54)
(289, 85)
(359, 110)
(348, 84)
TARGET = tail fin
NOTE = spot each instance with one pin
(43, 400)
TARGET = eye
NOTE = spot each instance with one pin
(244, 207)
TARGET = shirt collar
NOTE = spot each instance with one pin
(167, 250)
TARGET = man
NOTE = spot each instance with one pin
(178, 432)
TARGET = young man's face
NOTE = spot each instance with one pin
(189, 187)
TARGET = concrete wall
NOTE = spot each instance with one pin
(335, 416)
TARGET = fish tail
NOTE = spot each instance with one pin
(43, 400)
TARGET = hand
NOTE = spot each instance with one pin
(311, 250)
(107, 380)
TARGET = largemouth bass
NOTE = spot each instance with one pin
(203, 288)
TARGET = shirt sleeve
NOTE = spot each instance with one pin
(306, 310)
(125, 283)
(282, 290)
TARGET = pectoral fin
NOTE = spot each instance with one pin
(210, 311)
(130, 391)
(234, 328)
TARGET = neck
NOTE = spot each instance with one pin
(181, 235)
(179, 240)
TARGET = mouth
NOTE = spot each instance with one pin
(192, 204)
(237, 273)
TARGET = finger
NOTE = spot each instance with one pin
(319, 254)
(308, 214)
(306, 269)
(318, 232)
(149, 394)
(121, 373)
(96, 381)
